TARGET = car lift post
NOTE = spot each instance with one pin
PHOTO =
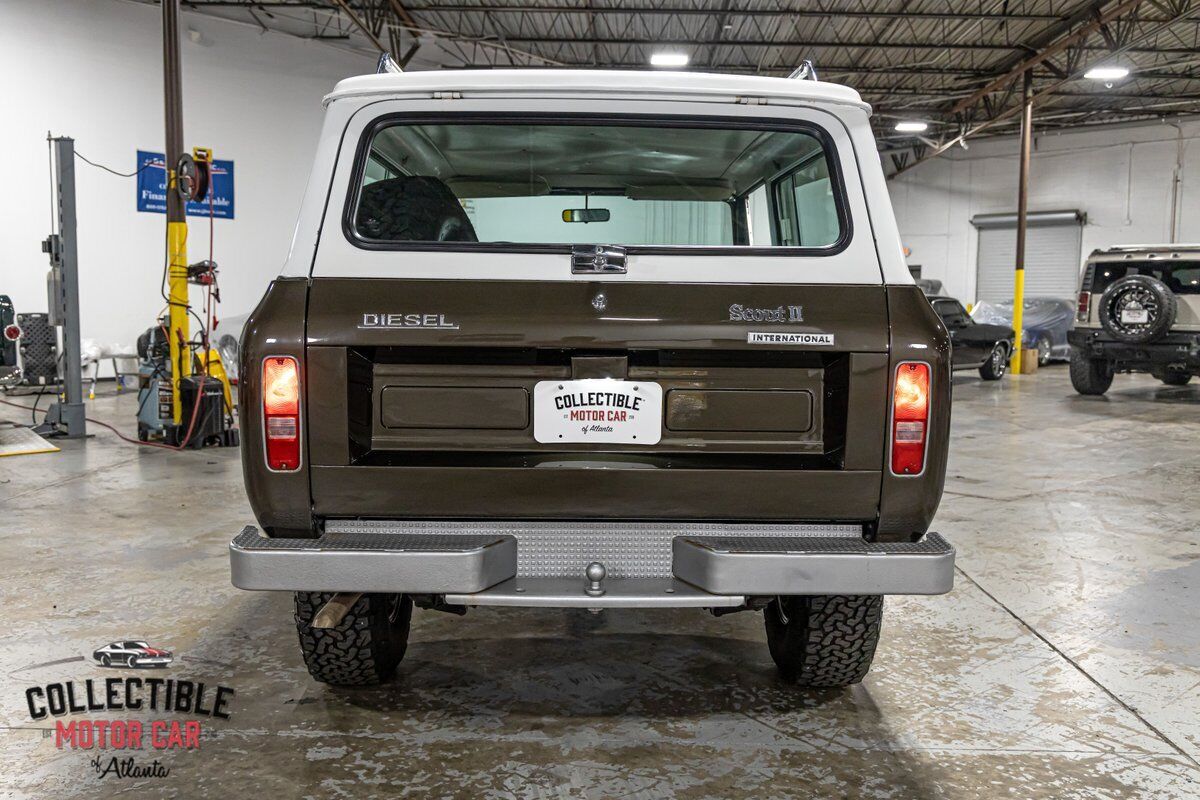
(1022, 218)
(65, 417)
(177, 271)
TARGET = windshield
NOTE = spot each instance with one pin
(621, 184)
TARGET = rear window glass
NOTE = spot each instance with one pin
(1181, 277)
(549, 183)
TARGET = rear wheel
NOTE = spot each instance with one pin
(824, 641)
(1176, 377)
(997, 364)
(364, 648)
(1090, 376)
(1043, 350)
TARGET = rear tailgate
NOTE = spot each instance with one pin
(421, 399)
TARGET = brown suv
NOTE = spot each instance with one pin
(594, 340)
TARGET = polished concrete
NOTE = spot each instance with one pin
(1065, 663)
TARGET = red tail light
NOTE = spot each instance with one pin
(281, 412)
(910, 418)
(1085, 303)
(12, 333)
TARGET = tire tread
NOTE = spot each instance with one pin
(829, 641)
(1090, 376)
(366, 645)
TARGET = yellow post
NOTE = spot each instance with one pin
(1018, 308)
(177, 291)
(1022, 217)
(177, 263)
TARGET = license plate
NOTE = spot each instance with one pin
(597, 411)
(1135, 315)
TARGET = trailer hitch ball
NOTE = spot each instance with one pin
(595, 573)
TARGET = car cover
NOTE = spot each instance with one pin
(1041, 313)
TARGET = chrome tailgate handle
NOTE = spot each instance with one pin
(597, 259)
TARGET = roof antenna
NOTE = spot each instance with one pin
(805, 72)
(387, 64)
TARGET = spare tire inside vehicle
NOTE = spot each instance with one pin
(1137, 309)
(413, 208)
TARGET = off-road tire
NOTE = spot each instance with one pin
(1154, 291)
(996, 365)
(1090, 376)
(366, 645)
(1176, 377)
(824, 641)
(413, 208)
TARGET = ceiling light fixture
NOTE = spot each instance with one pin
(668, 59)
(1107, 73)
(912, 126)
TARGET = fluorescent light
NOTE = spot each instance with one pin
(912, 126)
(668, 59)
(1109, 73)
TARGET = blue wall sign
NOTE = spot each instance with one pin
(152, 187)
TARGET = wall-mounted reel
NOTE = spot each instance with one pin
(193, 174)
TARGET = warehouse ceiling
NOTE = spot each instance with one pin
(958, 65)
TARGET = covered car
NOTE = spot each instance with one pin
(1045, 323)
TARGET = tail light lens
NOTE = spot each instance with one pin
(910, 418)
(12, 333)
(281, 412)
(1084, 306)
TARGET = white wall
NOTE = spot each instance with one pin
(1121, 176)
(92, 69)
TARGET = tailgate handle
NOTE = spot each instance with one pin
(597, 259)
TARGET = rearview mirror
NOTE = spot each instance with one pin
(585, 215)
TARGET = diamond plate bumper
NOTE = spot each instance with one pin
(562, 549)
(814, 565)
(542, 563)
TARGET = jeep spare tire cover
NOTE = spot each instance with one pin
(1137, 309)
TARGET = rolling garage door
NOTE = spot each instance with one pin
(1052, 255)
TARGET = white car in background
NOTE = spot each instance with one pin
(227, 338)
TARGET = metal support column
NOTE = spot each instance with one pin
(1022, 216)
(178, 329)
(65, 417)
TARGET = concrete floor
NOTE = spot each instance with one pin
(1065, 663)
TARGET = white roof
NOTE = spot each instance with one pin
(616, 83)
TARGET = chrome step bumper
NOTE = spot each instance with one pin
(706, 565)
(814, 565)
(372, 562)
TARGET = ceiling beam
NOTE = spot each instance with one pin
(358, 23)
(1184, 8)
(1049, 51)
(644, 10)
(806, 44)
(822, 69)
